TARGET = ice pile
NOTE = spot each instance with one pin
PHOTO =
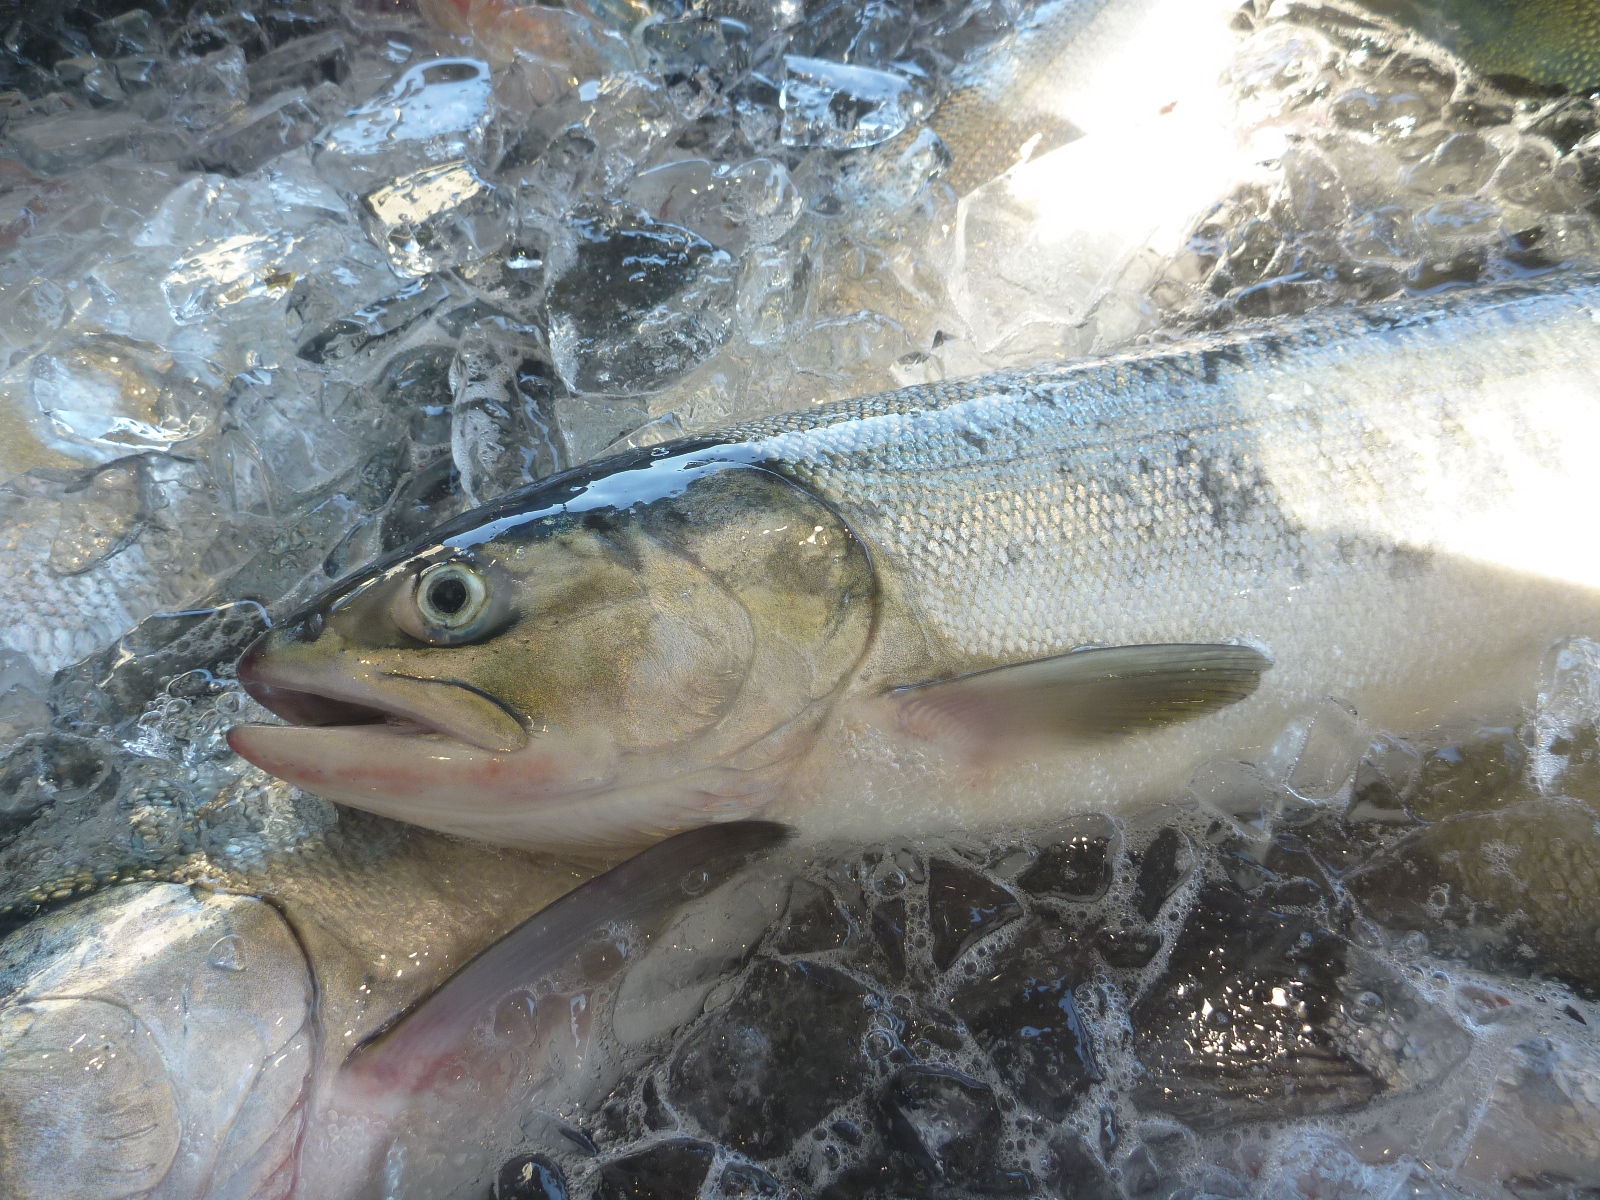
(1352, 967)
(287, 283)
(1401, 173)
(283, 284)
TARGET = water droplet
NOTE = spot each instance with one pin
(227, 953)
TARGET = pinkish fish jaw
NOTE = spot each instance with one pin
(432, 754)
(428, 778)
(557, 793)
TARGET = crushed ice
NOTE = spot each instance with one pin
(287, 284)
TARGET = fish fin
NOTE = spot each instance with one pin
(643, 893)
(1084, 696)
(515, 1020)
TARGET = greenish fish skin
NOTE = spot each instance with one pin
(1551, 43)
(1387, 504)
(1513, 889)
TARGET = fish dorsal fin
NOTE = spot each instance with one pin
(1084, 696)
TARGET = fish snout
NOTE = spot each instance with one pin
(252, 677)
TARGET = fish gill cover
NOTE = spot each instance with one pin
(287, 284)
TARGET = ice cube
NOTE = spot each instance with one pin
(436, 110)
(641, 303)
(437, 218)
(225, 272)
(509, 283)
(837, 106)
(563, 45)
(205, 207)
(1334, 744)
(104, 395)
(67, 141)
(772, 292)
(1462, 163)
(963, 908)
(93, 75)
(503, 432)
(429, 495)
(302, 63)
(589, 424)
(948, 1123)
(102, 511)
(22, 700)
(415, 388)
(762, 17)
(562, 170)
(729, 206)
(788, 1049)
(892, 176)
(1566, 724)
(871, 33)
(1542, 1122)
(633, 120)
(256, 135)
(143, 77)
(285, 433)
(690, 44)
(667, 427)
(374, 324)
(1022, 1011)
(134, 32)
(45, 769)
(205, 90)
(81, 571)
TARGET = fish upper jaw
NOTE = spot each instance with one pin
(297, 705)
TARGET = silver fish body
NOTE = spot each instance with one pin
(1393, 503)
(1389, 504)
(178, 1043)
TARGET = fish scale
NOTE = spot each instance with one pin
(1248, 461)
(1371, 497)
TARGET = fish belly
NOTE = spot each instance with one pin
(1396, 504)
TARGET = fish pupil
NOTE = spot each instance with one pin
(448, 596)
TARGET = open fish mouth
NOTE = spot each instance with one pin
(312, 708)
(460, 762)
(423, 776)
(440, 753)
(399, 703)
(566, 791)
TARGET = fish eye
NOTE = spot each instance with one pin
(449, 598)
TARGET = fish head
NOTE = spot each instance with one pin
(625, 650)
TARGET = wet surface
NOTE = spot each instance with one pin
(283, 286)
(1284, 1001)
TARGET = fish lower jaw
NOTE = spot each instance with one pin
(403, 759)
(557, 794)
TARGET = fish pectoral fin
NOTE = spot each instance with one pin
(1084, 696)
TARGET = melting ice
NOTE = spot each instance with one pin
(287, 284)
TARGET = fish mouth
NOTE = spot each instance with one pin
(402, 703)
(389, 744)
(299, 707)
(431, 752)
